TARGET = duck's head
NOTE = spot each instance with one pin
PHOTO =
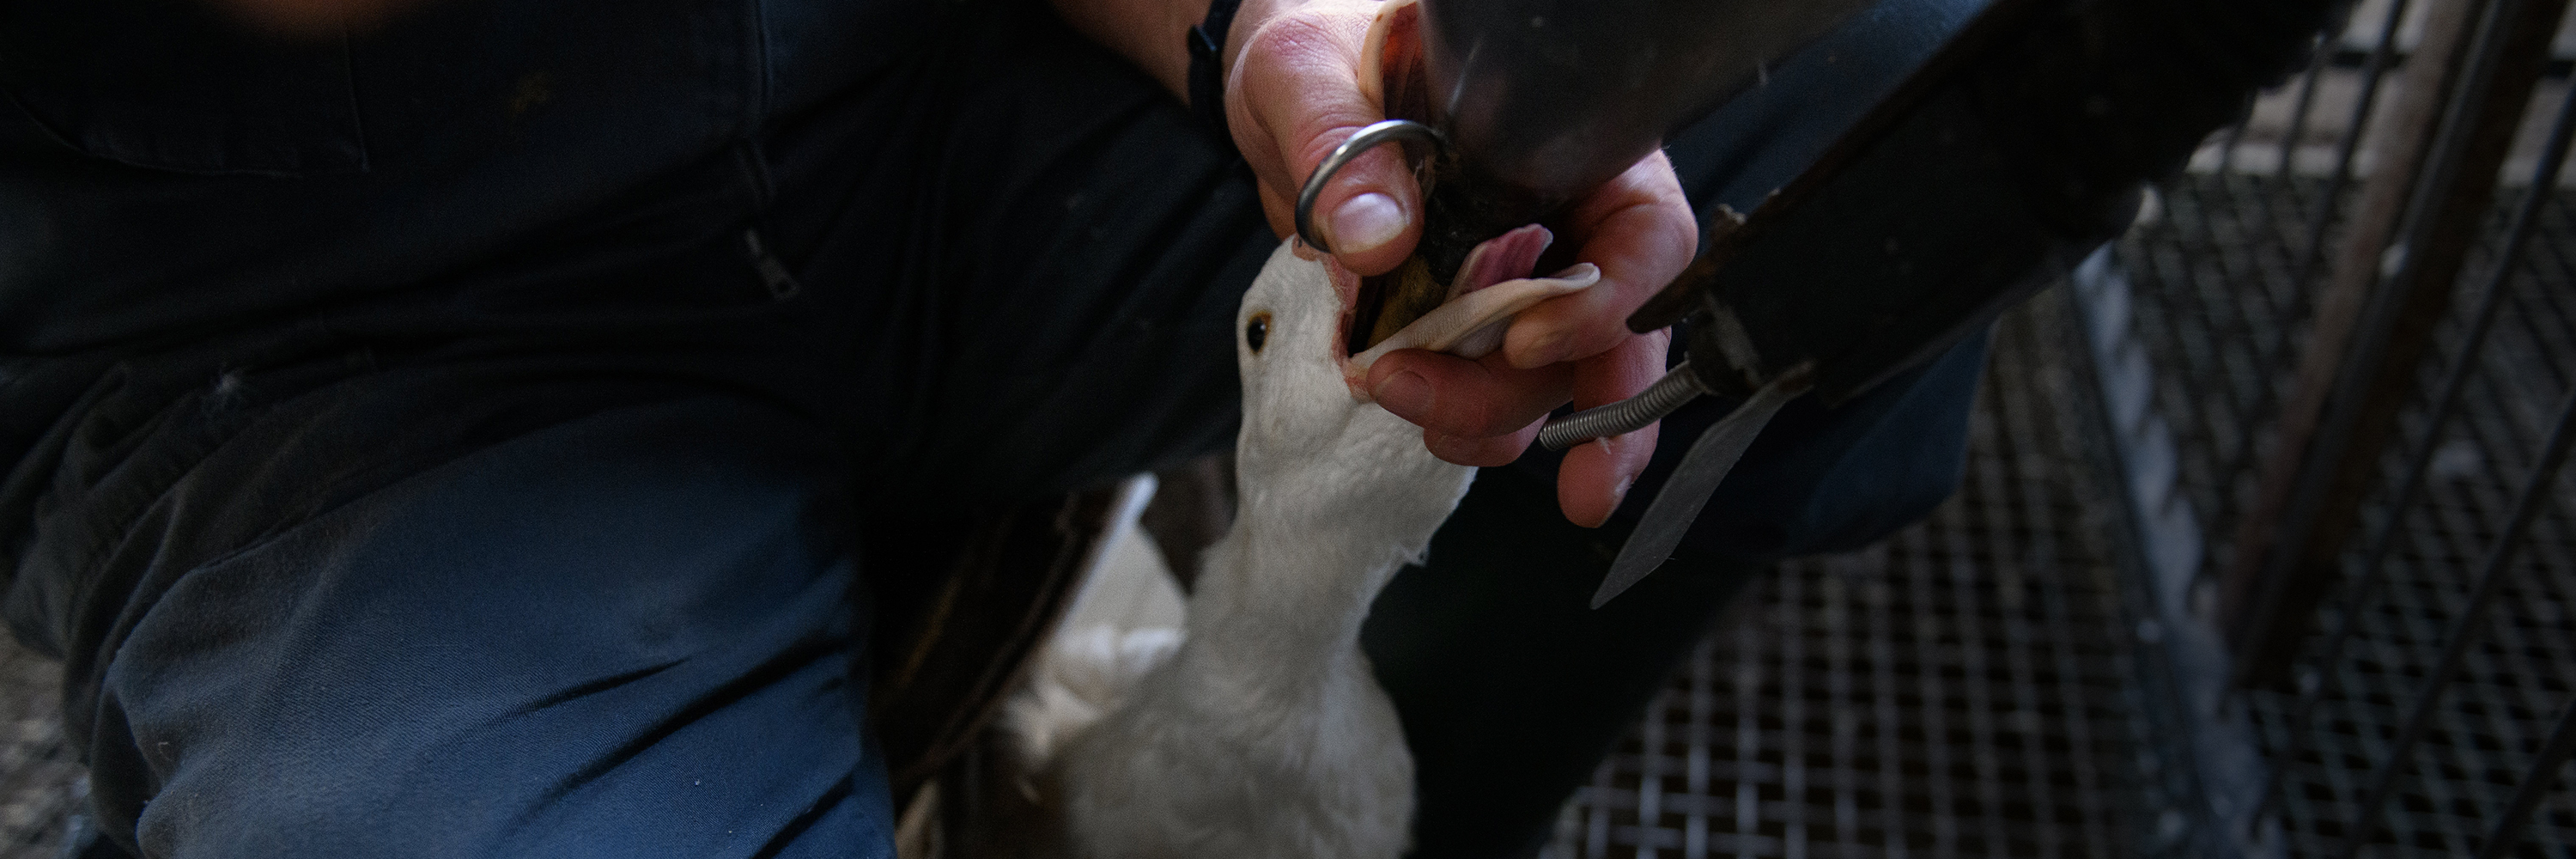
(1312, 443)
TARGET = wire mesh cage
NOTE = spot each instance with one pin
(2330, 363)
(2405, 698)
(1965, 688)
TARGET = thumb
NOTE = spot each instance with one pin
(1293, 97)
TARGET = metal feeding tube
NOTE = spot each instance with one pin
(1530, 105)
(2029, 133)
(1545, 101)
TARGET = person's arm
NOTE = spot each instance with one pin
(1291, 95)
(312, 18)
(1150, 33)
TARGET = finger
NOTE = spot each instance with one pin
(1294, 97)
(1468, 399)
(1596, 474)
(1639, 230)
(1485, 452)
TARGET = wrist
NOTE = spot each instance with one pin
(1204, 85)
(1241, 19)
(1248, 19)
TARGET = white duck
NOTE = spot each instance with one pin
(1264, 733)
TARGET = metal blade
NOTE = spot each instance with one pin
(1705, 466)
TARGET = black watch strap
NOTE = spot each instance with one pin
(1207, 81)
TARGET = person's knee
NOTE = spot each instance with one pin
(430, 746)
(623, 635)
(1833, 479)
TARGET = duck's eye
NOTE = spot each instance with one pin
(1256, 331)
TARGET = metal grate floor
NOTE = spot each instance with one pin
(1962, 689)
(2212, 279)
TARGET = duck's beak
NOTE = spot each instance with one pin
(1386, 304)
(1480, 305)
(1472, 325)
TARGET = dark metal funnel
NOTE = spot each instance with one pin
(1545, 100)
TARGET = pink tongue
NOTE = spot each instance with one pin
(1504, 257)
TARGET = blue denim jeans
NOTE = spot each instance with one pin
(449, 443)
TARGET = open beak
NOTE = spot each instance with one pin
(1492, 287)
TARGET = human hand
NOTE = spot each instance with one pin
(1293, 94)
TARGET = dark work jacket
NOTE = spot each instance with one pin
(183, 197)
(171, 178)
(166, 172)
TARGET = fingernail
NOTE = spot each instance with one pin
(1405, 393)
(1628, 469)
(1365, 222)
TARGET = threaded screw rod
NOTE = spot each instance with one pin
(1679, 385)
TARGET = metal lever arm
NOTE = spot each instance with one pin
(1702, 469)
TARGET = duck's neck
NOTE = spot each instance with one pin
(1280, 601)
(1318, 530)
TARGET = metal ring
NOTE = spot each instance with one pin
(1367, 138)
